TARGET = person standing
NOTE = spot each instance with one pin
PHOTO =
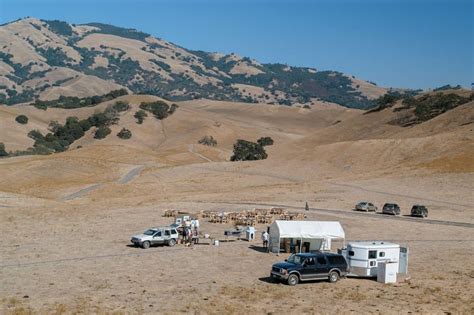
(265, 239)
(184, 234)
(195, 235)
(189, 236)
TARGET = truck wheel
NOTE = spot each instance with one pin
(333, 276)
(293, 280)
(146, 245)
(172, 242)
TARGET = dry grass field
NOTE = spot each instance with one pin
(66, 219)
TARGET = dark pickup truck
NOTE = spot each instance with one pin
(310, 266)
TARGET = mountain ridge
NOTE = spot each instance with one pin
(47, 58)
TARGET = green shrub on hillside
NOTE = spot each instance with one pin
(54, 56)
(59, 27)
(102, 132)
(106, 118)
(140, 116)
(248, 151)
(3, 152)
(447, 87)
(35, 135)
(208, 140)
(21, 119)
(263, 141)
(158, 108)
(61, 136)
(172, 109)
(384, 101)
(430, 106)
(124, 134)
(76, 102)
(121, 106)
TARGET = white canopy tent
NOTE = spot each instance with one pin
(318, 234)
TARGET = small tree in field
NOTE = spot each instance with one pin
(21, 119)
(121, 106)
(208, 140)
(263, 141)
(102, 132)
(124, 134)
(2, 150)
(158, 108)
(248, 151)
(140, 116)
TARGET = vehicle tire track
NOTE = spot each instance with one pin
(165, 135)
(128, 177)
(81, 192)
(131, 174)
(191, 150)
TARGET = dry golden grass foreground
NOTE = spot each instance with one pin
(66, 219)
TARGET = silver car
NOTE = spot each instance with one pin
(153, 236)
(365, 206)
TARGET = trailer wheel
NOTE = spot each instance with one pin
(146, 245)
(172, 242)
(333, 276)
(293, 279)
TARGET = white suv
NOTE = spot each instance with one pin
(365, 206)
(159, 235)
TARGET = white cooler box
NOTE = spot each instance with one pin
(387, 272)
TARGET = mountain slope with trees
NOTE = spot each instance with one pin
(44, 60)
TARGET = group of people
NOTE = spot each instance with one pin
(190, 235)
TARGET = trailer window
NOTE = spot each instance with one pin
(372, 254)
(381, 254)
(351, 253)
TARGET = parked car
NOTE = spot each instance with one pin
(419, 211)
(391, 208)
(365, 206)
(153, 236)
(310, 266)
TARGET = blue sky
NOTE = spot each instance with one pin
(395, 43)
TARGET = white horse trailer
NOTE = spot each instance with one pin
(363, 257)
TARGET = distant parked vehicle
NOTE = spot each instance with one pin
(365, 206)
(159, 235)
(419, 211)
(391, 208)
(309, 266)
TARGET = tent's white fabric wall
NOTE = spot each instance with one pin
(318, 233)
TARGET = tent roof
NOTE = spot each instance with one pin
(309, 229)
